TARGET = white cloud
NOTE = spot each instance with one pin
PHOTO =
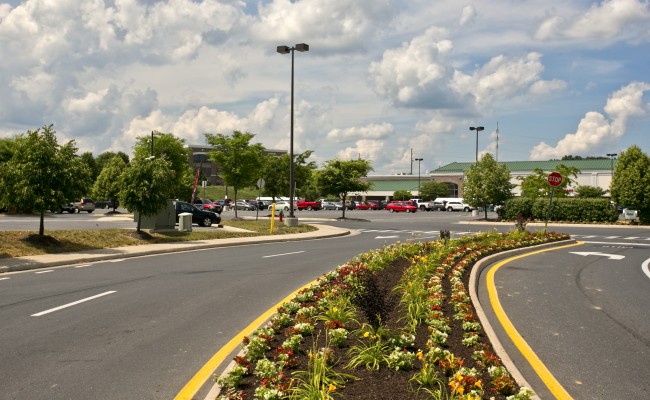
(595, 130)
(467, 15)
(604, 22)
(372, 131)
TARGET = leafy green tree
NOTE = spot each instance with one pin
(176, 153)
(145, 186)
(487, 182)
(402, 195)
(41, 174)
(107, 185)
(535, 185)
(89, 160)
(586, 191)
(6, 149)
(240, 161)
(276, 173)
(340, 177)
(631, 182)
(431, 190)
(102, 160)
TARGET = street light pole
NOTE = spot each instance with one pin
(611, 162)
(302, 47)
(418, 160)
(477, 129)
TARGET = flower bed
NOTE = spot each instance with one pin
(394, 323)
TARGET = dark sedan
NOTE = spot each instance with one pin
(201, 217)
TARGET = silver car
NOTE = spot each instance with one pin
(330, 205)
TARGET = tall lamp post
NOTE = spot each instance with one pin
(611, 161)
(418, 160)
(302, 47)
(477, 129)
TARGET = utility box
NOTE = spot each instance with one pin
(185, 222)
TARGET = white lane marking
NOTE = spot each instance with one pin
(74, 303)
(595, 253)
(588, 236)
(284, 254)
(4, 279)
(117, 260)
(44, 272)
(386, 237)
(646, 267)
(618, 243)
(633, 238)
(83, 265)
(612, 237)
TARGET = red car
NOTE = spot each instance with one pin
(362, 206)
(401, 206)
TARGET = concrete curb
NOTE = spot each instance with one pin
(487, 327)
(57, 260)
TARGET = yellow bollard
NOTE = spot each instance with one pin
(272, 217)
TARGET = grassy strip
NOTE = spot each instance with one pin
(28, 243)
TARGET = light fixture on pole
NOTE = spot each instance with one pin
(418, 160)
(477, 129)
(302, 47)
(611, 162)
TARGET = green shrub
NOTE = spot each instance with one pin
(564, 209)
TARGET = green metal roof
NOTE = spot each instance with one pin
(582, 165)
(395, 184)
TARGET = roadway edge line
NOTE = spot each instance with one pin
(487, 327)
(201, 377)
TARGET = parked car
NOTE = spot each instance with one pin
(362, 206)
(107, 203)
(243, 205)
(437, 205)
(308, 205)
(85, 204)
(458, 205)
(401, 206)
(201, 217)
(350, 205)
(282, 205)
(330, 205)
(376, 204)
(69, 207)
(421, 204)
(202, 204)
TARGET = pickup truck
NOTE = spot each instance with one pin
(422, 205)
(308, 205)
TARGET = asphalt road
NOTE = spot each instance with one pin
(148, 324)
(583, 311)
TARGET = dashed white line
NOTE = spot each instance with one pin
(612, 237)
(44, 272)
(4, 279)
(74, 303)
(83, 265)
(284, 254)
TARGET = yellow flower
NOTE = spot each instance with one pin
(420, 355)
(335, 309)
(366, 334)
(479, 384)
(331, 388)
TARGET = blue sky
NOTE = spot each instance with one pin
(382, 79)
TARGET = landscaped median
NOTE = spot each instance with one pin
(29, 243)
(396, 323)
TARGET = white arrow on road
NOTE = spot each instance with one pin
(587, 253)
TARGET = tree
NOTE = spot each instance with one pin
(107, 185)
(340, 177)
(276, 173)
(176, 153)
(145, 186)
(631, 182)
(431, 190)
(6, 149)
(402, 195)
(240, 162)
(89, 160)
(487, 182)
(536, 185)
(102, 160)
(586, 191)
(41, 174)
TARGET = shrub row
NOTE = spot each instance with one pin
(563, 209)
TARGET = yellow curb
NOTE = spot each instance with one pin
(201, 377)
(545, 375)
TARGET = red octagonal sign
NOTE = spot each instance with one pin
(554, 179)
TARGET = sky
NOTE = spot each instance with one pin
(384, 80)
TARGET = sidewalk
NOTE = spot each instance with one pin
(53, 260)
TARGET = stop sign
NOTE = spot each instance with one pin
(554, 179)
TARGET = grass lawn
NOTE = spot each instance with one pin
(27, 243)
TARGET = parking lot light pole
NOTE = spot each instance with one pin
(418, 160)
(302, 47)
(611, 162)
(477, 129)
